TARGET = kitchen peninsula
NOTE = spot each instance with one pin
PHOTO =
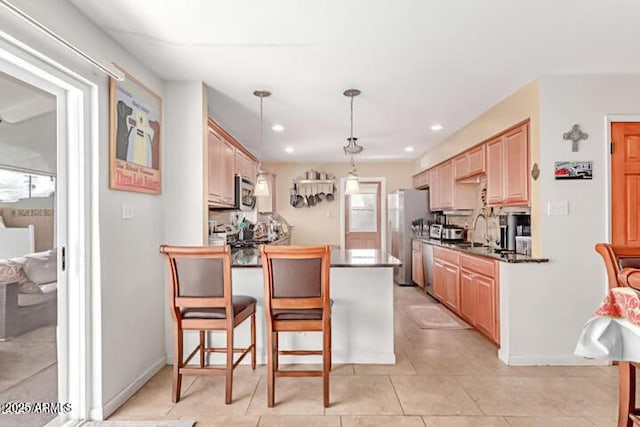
(361, 316)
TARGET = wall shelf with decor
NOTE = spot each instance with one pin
(314, 181)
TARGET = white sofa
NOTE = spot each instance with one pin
(28, 293)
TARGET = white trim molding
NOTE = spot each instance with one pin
(383, 209)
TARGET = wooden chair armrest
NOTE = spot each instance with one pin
(630, 277)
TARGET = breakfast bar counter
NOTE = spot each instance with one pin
(361, 315)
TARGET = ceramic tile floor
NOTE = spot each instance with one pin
(442, 378)
(29, 373)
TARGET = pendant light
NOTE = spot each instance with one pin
(352, 185)
(262, 186)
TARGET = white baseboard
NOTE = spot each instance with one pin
(120, 398)
(568, 360)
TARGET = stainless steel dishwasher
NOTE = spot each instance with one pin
(427, 262)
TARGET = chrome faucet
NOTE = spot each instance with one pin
(486, 227)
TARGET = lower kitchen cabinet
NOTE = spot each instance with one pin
(468, 285)
(417, 267)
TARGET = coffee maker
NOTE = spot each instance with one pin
(513, 224)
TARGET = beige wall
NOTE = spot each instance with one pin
(523, 104)
(320, 224)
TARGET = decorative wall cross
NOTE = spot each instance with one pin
(575, 135)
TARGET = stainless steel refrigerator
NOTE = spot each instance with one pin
(405, 206)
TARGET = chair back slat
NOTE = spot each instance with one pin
(296, 278)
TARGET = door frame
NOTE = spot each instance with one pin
(609, 120)
(78, 328)
(383, 209)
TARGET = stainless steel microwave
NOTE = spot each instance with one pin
(245, 200)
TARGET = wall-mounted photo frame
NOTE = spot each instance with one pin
(135, 125)
(573, 170)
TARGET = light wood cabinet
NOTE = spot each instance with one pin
(468, 285)
(434, 190)
(446, 185)
(479, 295)
(508, 168)
(420, 180)
(461, 166)
(267, 204)
(452, 280)
(244, 165)
(439, 280)
(220, 171)
(467, 295)
(417, 267)
(477, 161)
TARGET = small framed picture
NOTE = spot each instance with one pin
(573, 170)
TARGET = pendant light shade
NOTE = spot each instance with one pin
(262, 186)
(352, 185)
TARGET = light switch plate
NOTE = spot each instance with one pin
(559, 207)
(126, 211)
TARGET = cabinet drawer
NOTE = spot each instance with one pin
(416, 246)
(477, 264)
(446, 255)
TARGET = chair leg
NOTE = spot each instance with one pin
(253, 341)
(202, 349)
(329, 339)
(326, 364)
(229, 369)
(177, 364)
(270, 373)
(276, 355)
(627, 393)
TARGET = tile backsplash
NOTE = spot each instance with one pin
(492, 214)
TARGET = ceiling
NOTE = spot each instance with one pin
(417, 62)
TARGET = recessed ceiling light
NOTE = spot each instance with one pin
(436, 127)
(289, 149)
(277, 128)
(408, 149)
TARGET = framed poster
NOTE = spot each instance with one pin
(134, 137)
(573, 170)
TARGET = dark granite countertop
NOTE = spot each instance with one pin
(482, 251)
(250, 257)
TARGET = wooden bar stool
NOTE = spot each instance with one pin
(621, 264)
(201, 300)
(296, 289)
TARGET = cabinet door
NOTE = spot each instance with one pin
(485, 315)
(417, 269)
(434, 190)
(227, 161)
(452, 274)
(494, 171)
(467, 296)
(214, 145)
(516, 165)
(461, 166)
(477, 164)
(439, 281)
(446, 185)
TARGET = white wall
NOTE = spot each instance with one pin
(573, 283)
(131, 291)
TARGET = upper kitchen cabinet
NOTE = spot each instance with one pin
(220, 170)
(470, 163)
(267, 204)
(421, 180)
(445, 192)
(508, 168)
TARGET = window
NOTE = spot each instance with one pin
(363, 209)
(16, 185)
